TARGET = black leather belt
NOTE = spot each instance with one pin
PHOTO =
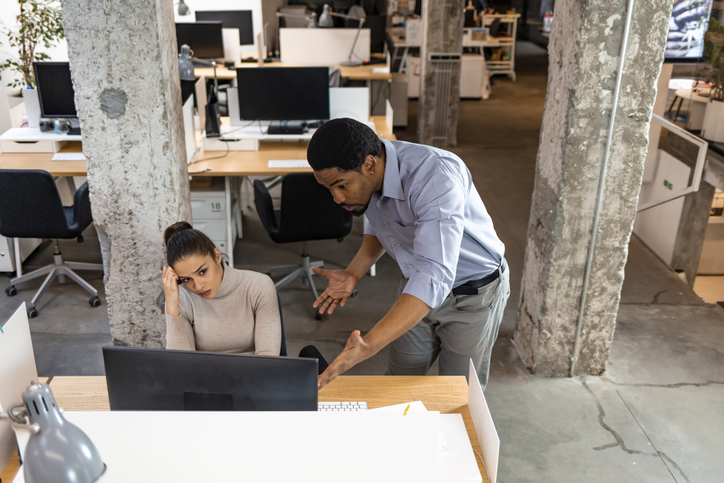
(471, 287)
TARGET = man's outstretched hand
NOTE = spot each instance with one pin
(356, 350)
(340, 288)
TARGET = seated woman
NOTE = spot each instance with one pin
(212, 307)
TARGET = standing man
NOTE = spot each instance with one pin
(423, 210)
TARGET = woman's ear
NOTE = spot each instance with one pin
(217, 255)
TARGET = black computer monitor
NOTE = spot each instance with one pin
(55, 89)
(204, 38)
(169, 380)
(232, 19)
(283, 93)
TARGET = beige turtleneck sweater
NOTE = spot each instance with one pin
(243, 317)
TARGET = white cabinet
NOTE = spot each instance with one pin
(210, 213)
(7, 251)
(473, 76)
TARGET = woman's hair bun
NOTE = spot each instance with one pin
(182, 240)
(175, 228)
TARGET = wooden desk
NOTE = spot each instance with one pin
(447, 394)
(361, 73)
(237, 163)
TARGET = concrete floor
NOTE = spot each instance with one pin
(657, 413)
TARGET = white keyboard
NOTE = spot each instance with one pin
(68, 157)
(288, 163)
(342, 406)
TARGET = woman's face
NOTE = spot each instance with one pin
(201, 273)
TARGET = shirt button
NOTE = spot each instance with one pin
(406, 267)
(397, 244)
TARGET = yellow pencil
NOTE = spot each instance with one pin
(406, 409)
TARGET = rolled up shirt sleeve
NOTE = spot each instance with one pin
(439, 208)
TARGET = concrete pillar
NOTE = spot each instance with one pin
(123, 59)
(584, 53)
(440, 82)
(692, 230)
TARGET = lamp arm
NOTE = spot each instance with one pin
(213, 64)
(354, 44)
(359, 29)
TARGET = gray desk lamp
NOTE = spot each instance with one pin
(57, 450)
(325, 20)
(183, 9)
(186, 73)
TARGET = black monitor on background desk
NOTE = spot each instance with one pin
(169, 380)
(231, 19)
(55, 90)
(283, 93)
(204, 38)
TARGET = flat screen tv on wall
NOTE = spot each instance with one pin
(687, 26)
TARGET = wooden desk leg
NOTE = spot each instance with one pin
(681, 101)
(671, 107)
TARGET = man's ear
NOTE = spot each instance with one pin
(370, 164)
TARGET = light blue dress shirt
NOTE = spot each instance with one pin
(431, 220)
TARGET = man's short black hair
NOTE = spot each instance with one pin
(342, 143)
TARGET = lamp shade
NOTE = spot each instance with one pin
(185, 66)
(326, 20)
(183, 9)
(59, 451)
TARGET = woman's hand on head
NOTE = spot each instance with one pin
(171, 291)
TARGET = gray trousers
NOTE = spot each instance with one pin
(464, 327)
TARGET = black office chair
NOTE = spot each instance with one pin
(30, 207)
(308, 213)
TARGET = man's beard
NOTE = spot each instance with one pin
(360, 212)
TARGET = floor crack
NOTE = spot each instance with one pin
(656, 297)
(665, 386)
(602, 414)
(660, 454)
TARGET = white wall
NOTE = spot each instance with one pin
(253, 5)
(9, 10)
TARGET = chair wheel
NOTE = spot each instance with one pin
(32, 312)
(317, 315)
(11, 290)
(94, 302)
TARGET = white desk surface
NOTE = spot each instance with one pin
(304, 447)
(34, 134)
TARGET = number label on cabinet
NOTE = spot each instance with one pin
(216, 207)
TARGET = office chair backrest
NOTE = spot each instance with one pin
(309, 211)
(30, 206)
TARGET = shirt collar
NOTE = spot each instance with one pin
(391, 185)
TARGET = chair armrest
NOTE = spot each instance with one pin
(81, 207)
(265, 207)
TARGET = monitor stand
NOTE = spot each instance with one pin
(287, 128)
